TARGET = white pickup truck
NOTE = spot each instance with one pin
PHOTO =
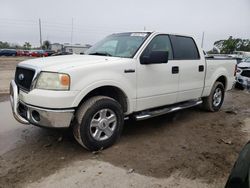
(133, 74)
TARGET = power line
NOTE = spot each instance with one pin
(56, 30)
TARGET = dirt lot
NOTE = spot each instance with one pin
(190, 148)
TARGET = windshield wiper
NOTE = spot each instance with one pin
(101, 53)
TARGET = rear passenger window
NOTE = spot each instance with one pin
(184, 48)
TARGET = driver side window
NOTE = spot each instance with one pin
(159, 43)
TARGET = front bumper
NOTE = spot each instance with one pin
(28, 114)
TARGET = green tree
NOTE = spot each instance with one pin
(4, 45)
(46, 45)
(232, 44)
(27, 46)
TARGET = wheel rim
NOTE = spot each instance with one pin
(217, 97)
(103, 124)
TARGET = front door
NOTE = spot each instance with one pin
(157, 84)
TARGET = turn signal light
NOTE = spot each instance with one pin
(65, 80)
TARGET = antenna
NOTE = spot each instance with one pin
(202, 41)
(71, 39)
(40, 30)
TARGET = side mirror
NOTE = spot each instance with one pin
(155, 57)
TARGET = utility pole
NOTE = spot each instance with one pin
(40, 30)
(71, 39)
(202, 41)
(144, 28)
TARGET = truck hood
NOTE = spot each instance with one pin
(243, 64)
(59, 63)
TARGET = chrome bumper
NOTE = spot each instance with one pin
(27, 114)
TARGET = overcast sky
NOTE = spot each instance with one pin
(94, 19)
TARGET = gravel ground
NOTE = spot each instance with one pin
(190, 148)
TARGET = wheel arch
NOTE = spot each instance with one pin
(223, 80)
(106, 90)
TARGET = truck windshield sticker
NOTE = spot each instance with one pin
(138, 34)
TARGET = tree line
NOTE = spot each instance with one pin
(230, 45)
(26, 46)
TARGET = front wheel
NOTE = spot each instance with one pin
(215, 100)
(99, 123)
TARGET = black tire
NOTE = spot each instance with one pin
(240, 173)
(82, 130)
(208, 102)
(239, 86)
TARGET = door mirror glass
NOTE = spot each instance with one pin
(155, 57)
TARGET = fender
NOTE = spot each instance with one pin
(212, 76)
(130, 100)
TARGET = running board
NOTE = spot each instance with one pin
(153, 113)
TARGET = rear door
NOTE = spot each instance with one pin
(191, 67)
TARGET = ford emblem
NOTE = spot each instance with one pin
(20, 77)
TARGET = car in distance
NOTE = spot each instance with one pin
(243, 74)
(8, 52)
(50, 52)
(133, 74)
(62, 53)
(38, 53)
(23, 53)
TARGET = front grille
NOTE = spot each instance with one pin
(24, 77)
(246, 73)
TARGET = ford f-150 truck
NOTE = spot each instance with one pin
(134, 74)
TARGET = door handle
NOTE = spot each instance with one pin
(129, 70)
(201, 68)
(175, 70)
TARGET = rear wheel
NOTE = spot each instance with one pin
(215, 100)
(99, 123)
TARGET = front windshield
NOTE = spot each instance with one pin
(119, 45)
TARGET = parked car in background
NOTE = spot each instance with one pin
(39, 53)
(26, 53)
(50, 52)
(8, 52)
(243, 74)
(62, 53)
(23, 53)
(245, 62)
(238, 59)
(19, 53)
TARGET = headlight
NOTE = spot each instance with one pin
(53, 81)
